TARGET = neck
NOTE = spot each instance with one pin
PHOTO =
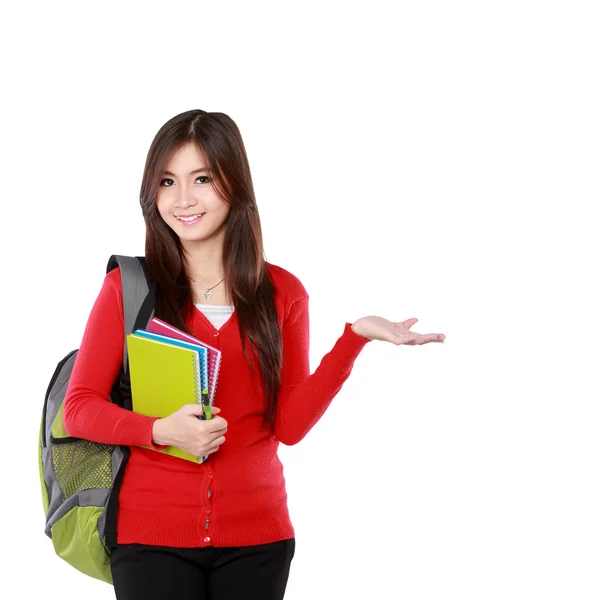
(205, 262)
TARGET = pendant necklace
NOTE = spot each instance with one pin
(208, 293)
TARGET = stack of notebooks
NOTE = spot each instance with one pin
(169, 368)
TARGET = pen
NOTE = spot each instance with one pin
(207, 412)
(206, 404)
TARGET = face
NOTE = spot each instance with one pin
(186, 199)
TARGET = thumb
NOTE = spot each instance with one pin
(197, 409)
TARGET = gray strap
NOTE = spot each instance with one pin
(135, 289)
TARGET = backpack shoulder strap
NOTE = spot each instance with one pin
(138, 293)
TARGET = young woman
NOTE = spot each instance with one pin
(219, 529)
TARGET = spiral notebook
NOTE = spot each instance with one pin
(203, 352)
(164, 377)
(214, 354)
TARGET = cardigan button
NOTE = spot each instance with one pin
(216, 334)
(210, 474)
(206, 539)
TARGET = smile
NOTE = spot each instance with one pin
(191, 219)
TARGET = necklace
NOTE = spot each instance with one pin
(208, 293)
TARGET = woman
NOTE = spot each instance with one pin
(219, 529)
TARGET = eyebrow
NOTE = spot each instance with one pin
(202, 170)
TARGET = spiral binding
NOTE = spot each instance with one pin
(204, 366)
(196, 377)
(215, 374)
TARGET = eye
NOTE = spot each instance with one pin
(162, 182)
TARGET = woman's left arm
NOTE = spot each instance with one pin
(304, 397)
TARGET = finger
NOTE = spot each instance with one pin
(216, 424)
(408, 322)
(214, 440)
(213, 435)
(436, 337)
(431, 337)
(215, 445)
(195, 410)
(405, 338)
(417, 339)
(214, 410)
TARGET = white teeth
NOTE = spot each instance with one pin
(190, 218)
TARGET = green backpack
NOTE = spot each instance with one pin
(80, 479)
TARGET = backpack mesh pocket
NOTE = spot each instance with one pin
(82, 465)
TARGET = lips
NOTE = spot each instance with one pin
(189, 219)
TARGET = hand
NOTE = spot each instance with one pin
(184, 430)
(377, 328)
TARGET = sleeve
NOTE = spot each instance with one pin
(304, 397)
(88, 412)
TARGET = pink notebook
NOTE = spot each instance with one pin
(214, 354)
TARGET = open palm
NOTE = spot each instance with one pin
(398, 333)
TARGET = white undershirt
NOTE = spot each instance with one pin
(217, 314)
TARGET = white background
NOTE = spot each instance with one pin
(427, 159)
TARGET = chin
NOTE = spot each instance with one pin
(193, 238)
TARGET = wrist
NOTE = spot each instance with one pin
(356, 329)
(158, 433)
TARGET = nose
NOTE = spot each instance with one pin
(184, 198)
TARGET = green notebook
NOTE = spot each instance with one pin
(164, 378)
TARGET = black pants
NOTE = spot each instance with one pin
(142, 572)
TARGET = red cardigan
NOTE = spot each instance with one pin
(237, 497)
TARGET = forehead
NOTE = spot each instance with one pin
(184, 158)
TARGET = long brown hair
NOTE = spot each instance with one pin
(219, 141)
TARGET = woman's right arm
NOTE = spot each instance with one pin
(88, 412)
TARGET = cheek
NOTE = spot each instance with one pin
(222, 210)
(162, 207)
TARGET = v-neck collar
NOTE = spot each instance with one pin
(209, 323)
